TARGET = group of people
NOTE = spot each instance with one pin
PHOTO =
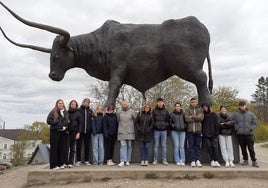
(199, 125)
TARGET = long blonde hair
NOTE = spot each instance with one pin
(97, 110)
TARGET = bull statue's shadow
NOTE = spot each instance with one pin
(140, 55)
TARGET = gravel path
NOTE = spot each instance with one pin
(17, 177)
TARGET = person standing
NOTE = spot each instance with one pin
(75, 129)
(194, 116)
(143, 126)
(226, 127)
(110, 126)
(86, 114)
(160, 122)
(126, 132)
(178, 127)
(210, 131)
(97, 136)
(58, 120)
(245, 122)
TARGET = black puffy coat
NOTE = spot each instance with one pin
(177, 121)
(143, 127)
(226, 124)
(75, 120)
(160, 119)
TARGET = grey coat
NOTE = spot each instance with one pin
(244, 122)
(126, 130)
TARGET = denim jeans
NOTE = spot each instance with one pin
(160, 135)
(178, 138)
(98, 149)
(195, 142)
(125, 150)
(144, 148)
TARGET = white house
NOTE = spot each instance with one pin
(9, 137)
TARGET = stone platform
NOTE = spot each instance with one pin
(44, 175)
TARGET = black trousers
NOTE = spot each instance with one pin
(84, 138)
(212, 146)
(58, 148)
(109, 146)
(72, 147)
(247, 141)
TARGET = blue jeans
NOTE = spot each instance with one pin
(194, 141)
(125, 150)
(178, 138)
(98, 149)
(160, 135)
(144, 148)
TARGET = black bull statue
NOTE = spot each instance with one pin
(140, 55)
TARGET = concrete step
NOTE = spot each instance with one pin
(44, 175)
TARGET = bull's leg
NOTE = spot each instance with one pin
(199, 78)
(114, 86)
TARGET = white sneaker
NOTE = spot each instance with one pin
(78, 163)
(182, 164)
(155, 162)
(198, 163)
(121, 164)
(69, 166)
(231, 164)
(146, 163)
(217, 164)
(165, 162)
(142, 163)
(110, 163)
(56, 168)
(227, 164)
(87, 163)
(178, 163)
(193, 164)
(213, 163)
(62, 167)
(127, 163)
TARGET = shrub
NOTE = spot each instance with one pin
(261, 133)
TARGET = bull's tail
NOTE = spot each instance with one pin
(210, 81)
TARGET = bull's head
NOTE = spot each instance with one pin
(61, 56)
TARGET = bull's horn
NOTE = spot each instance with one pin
(25, 45)
(65, 34)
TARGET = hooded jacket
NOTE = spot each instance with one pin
(126, 118)
(210, 124)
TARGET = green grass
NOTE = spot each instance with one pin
(264, 145)
(208, 175)
(151, 176)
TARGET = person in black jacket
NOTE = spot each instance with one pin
(143, 126)
(110, 126)
(160, 122)
(97, 136)
(58, 120)
(86, 114)
(178, 132)
(75, 128)
(210, 131)
(226, 126)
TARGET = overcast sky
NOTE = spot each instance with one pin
(238, 49)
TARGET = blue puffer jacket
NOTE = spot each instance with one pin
(244, 122)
